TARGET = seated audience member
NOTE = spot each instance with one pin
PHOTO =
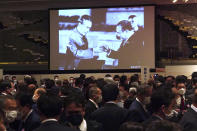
(95, 97)
(131, 126)
(30, 120)
(74, 112)
(138, 107)
(111, 115)
(2, 119)
(9, 107)
(188, 121)
(163, 126)
(108, 79)
(162, 101)
(50, 107)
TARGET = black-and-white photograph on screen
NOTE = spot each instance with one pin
(104, 38)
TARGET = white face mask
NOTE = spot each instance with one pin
(34, 98)
(11, 115)
(147, 100)
(181, 91)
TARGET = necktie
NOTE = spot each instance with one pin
(182, 106)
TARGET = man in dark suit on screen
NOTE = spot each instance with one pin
(128, 53)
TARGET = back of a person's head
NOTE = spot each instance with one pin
(4, 85)
(131, 126)
(194, 74)
(163, 126)
(110, 92)
(143, 89)
(49, 105)
(181, 79)
(161, 97)
(3, 100)
(78, 81)
(49, 83)
(75, 97)
(25, 99)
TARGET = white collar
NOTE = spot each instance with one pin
(144, 106)
(194, 108)
(111, 102)
(94, 103)
(28, 114)
(83, 126)
(46, 120)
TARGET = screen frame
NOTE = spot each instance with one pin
(102, 70)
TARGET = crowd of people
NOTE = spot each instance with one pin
(117, 103)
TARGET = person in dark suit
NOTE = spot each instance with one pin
(95, 97)
(162, 101)
(49, 107)
(30, 120)
(111, 115)
(138, 107)
(188, 121)
(130, 46)
(74, 112)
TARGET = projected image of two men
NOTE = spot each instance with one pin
(107, 38)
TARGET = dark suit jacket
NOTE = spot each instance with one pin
(89, 108)
(31, 123)
(188, 121)
(111, 116)
(150, 120)
(137, 112)
(53, 126)
(94, 126)
(130, 54)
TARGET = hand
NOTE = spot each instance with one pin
(104, 48)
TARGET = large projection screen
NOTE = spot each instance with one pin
(102, 38)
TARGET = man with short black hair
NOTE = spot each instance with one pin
(50, 107)
(30, 120)
(138, 107)
(111, 115)
(188, 121)
(95, 97)
(78, 43)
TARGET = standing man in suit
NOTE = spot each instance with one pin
(74, 112)
(189, 118)
(95, 97)
(49, 107)
(78, 43)
(138, 107)
(30, 120)
(111, 115)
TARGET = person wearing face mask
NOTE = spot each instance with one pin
(162, 101)
(30, 119)
(50, 107)
(181, 99)
(95, 97)
(74, 112)
(138, 107)
(9, 107)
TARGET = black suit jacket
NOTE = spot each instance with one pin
(89, 108)
(138, 113)
(111, 116)
(53, 126)
(31, 123)
(130, 53)
(150, 120)
(189, 119)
